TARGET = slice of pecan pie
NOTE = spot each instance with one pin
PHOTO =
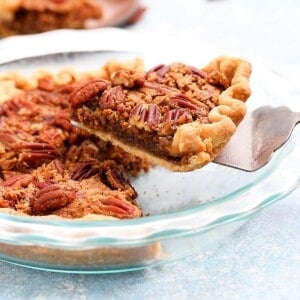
(174, 115)
(31, 16)
(48, 167)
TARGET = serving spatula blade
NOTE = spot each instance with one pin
(261, 133)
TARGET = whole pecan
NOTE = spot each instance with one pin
(145, 116)
(111, 97)
(51, 198)
(87, 91)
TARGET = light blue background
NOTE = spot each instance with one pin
(262, 260)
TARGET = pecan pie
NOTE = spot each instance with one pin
(48, 167)
(31, 16)
(174, 115)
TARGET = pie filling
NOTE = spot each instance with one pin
(145, 110)
(49, 167)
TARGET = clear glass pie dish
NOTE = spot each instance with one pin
(185, 213)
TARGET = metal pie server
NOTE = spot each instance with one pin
(262, 132)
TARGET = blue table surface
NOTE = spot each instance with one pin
(261, 260)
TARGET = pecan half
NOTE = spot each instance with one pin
(197, 72)
(50, 199)
(117, 207)
(182, 101)
(161, 88)
(34, 153)
(111, 97)
(179, 115)
(84, 171)
(160, 71)
(20, 180)
(145, 116)
(87, 91)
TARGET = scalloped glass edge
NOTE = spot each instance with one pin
(276, 183)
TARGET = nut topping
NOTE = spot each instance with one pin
(127, 78)
(50, 199)
(87, 92)
(162, 88)
(160, 71)
(84, 171)
(117, 207)
(34, 153)
(197, 72)
(145, 116)
(179, 115)
(182, 101)
(20, 180)
(114, 177)
(111, 97)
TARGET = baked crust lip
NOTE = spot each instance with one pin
(200, 143)
(207, 140)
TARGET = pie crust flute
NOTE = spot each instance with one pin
(176, 116)
(32, 16)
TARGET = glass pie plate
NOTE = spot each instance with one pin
(185, 213)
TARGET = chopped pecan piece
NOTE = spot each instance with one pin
(183, 101)
(114, 177)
